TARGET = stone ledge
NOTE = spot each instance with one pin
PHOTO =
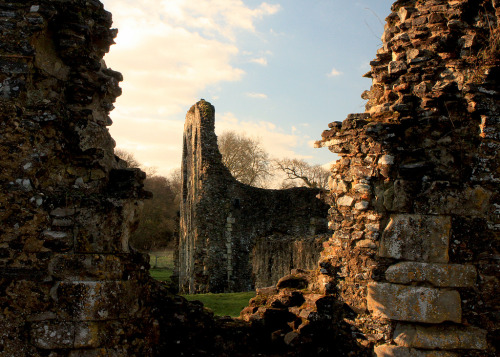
(440, 337)
(416, 304)
(439, 275)
(396, 351)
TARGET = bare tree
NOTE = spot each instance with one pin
(314, 176)
(128, 157)
(247, 161)
(158, 222)
(131, 161)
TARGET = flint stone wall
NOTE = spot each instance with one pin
(423, 158)
(69, 284)
(415, 193)
(230, 233)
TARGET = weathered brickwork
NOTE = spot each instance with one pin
(226, 227)
(415, 193)
(69, 284)
(411, 270)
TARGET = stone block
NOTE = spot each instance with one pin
(57, 241)
(98, 300)
(386, 160)
(366, 243)
(441, 337)
(93, 334)
(416, 304)
(99, 352)
(362, 205)
(416, 238)
(345, 201)
(86, 267)
(397, 351)
(439, 275)
(396, 67)
(50, 335)
(97, 230)
(442, 200)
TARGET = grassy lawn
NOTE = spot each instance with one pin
(162, 265)
(161, 274)
(163, 259)
(229, 304)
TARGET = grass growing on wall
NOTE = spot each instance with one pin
(228, 304)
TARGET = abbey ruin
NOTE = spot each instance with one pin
(412, 268)
(226, 227)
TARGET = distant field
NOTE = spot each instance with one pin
(163, 259)
(229, 304)
(162, 265)
(161, 274)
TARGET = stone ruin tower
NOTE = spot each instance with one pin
(68, 280)
(234, 236)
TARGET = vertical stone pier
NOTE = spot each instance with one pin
(69, 284)
(415, 199)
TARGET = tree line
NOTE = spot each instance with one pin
(247, 161)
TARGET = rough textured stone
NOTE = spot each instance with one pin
(418, 304)
(416, 238)
(433, 106)
(439, 275)
(214, 257)
(63, 191)
(275, 256)
(53, 335)
(396, 351)
(448, 337)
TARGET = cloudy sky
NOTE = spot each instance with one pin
(278, 71)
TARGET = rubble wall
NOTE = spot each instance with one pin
(69, 284)
(273, 257)
(221, 218)
(415, 199)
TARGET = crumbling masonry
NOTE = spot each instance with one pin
(411, 270)
(415, 199)
(68, 280)
(234, 237)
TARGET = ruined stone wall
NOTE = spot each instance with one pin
(69, 285)
(412, 269)
(273, 257)
(221, 218)
(415, 199)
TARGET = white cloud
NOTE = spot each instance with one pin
(169, 51)
(334, 72)
(257, 95)
(274, 140)
(154, 142)
(225, 16)
(261, 60)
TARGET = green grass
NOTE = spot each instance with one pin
(164, 259)
(161, 274)
(229, 304)
(162, 265)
